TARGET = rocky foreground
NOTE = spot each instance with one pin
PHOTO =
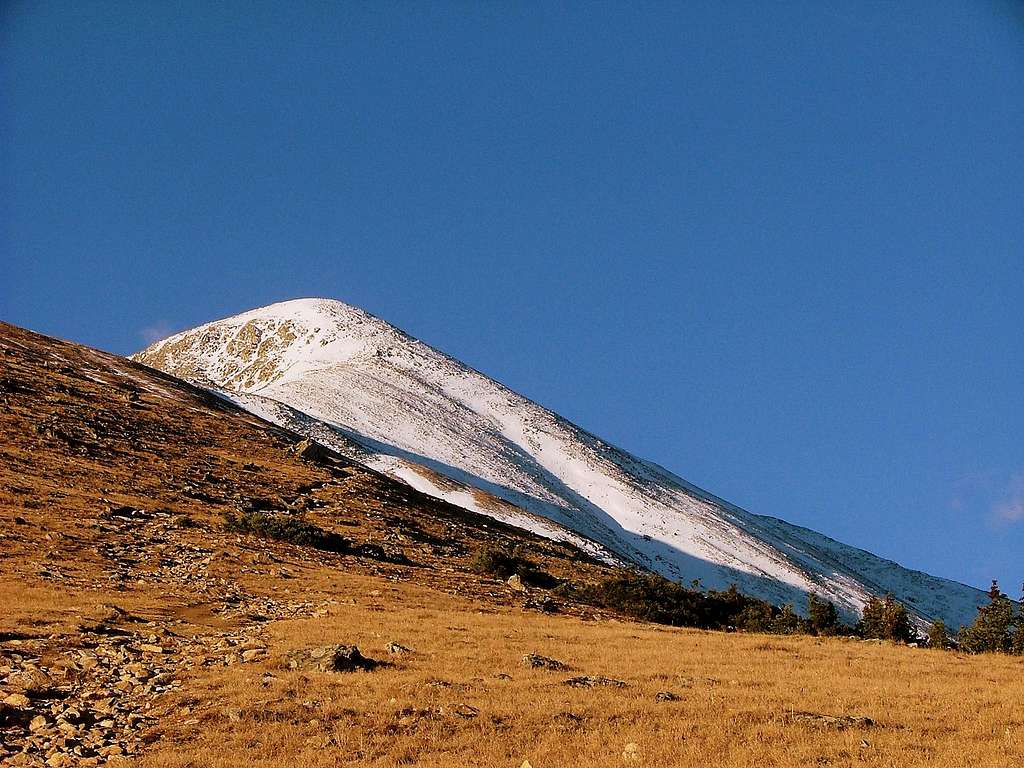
(120, 576)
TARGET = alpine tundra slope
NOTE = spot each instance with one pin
(370, 391)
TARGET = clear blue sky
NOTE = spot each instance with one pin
(776, 247)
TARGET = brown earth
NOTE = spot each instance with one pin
(134, 628)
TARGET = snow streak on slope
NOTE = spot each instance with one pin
(367, 389)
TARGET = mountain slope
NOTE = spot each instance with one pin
(370, 391)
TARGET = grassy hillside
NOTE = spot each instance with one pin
(140, 625)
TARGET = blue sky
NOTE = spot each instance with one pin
(776, 247)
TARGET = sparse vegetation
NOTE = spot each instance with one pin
(293, 529)
(503, 563)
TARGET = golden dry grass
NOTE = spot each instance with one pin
(738, 694)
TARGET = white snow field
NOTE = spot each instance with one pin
(368, 390)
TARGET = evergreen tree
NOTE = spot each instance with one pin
(993, 627)
(755, 617)
(886, 619)
(822, 615)
(1017, 643)
(938, 637)
(787, 622)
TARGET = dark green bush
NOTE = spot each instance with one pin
(756, 617)
(650, 598)
(822, 616)
(886, 619)
(938, 637)
(293, 529)
(504, 563)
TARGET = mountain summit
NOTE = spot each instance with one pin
(370, 391)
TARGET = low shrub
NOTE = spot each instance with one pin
(293, 529)
(504, 563)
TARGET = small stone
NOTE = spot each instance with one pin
(37, 723)
(516, 583)
(17, 700)
(631, 751)
(67, 728)
(592, 681)
(666, 696)
(465, 711)
(252, 655)
(397, 648)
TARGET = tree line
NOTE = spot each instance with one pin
(998, 627)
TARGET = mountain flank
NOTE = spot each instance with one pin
(368, 390)
(183, 583)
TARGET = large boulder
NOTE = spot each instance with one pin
(310, 450)
(331, 658)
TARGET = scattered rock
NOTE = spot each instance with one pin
(594, 681)
(536, 661)
(631, 752)
(835, 722)
(17, 700)
(465, 711)
(667, 696)
(568, 720)
(544, 604)
(516, 583)
(396, 648)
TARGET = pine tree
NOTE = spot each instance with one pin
(993, 627)
(1017, 640)
(788, 622)
(822, 615)
(938, 637)
(886, 619)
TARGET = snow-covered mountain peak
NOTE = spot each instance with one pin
(356, 383)
(252, 350)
